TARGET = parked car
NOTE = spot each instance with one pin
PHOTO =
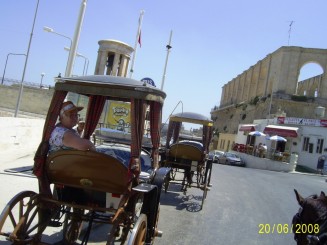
(215, 155)
(230, 158)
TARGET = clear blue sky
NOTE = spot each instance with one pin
(213, 41)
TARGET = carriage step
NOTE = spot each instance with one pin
(53, 223)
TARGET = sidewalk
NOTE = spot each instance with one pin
(14, 158)
(19, 140)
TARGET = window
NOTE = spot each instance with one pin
(320, 144)
(222, 144)
(228, 143)
(305, 146)
(310, 148)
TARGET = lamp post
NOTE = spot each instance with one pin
(86, 61)
(42, 75)
(4, 71)
(28, 51)
(48, 29)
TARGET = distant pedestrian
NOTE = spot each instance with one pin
(320, 164)
(264, 147)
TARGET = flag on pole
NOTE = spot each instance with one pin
(139, 39)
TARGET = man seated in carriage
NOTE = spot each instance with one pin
(64, 136)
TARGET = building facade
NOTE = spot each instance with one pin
(305, 137)
(272, 85)
(271, 89)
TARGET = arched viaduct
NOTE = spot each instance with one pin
(278, 72)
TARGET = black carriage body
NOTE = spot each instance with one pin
(82, 179)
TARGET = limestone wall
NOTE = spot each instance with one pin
(267, 164)
(34, 100)
(277, 72)
(230, 117)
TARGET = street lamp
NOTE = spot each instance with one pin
(4, 71)
(27, 54)
(42, 75)
(48, 29)
(86, 61)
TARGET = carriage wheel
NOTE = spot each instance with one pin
(200, 177)
(137, 208)
(156, 231)
(72, 226)
(20, 220)
(167, 181)
(205, 185)
(173, 173)
(210, 171)
(138, 235)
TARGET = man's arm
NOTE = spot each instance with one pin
(72, 140)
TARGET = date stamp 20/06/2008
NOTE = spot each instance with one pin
(286, 228)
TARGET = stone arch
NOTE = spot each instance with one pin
(290, 61)
(309, 79)
(278, 73)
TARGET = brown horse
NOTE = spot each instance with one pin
(310, 223)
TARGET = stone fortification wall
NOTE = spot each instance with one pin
(248, 96)
(277, 72)
(310, 87)
(229, 118)
(34, 100)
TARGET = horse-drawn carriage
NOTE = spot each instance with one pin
(188, 154)
(74, 185)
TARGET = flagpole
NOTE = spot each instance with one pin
(168, 51)
(136, 41)
(73, 48)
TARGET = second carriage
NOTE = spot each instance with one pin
(188, 155)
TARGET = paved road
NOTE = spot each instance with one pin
(240, 200)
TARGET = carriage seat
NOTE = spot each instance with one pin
(87, 170)
(186, 150)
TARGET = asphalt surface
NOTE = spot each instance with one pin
(240, 200)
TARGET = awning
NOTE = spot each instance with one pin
(247, 127)
(281, 131)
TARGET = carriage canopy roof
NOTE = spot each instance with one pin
(191, 117)
(111, 86)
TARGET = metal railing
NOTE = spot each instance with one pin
(10, 82)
